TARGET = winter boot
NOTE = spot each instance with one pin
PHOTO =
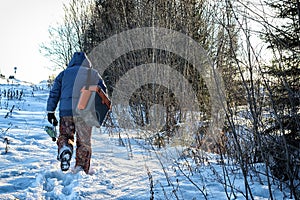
(64, 156)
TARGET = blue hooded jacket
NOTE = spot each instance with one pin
(68, 83)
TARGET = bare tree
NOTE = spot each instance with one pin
(67, 37)
(270, 90)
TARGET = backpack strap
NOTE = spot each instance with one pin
(88, 78)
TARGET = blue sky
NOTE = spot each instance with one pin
(24, 26)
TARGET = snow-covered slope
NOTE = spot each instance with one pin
(29, 169)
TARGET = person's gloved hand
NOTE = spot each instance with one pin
(52, 119)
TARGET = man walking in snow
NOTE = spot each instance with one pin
(66, 92)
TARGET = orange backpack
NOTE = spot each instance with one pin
(93, 104)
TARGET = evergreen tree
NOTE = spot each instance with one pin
(285, 69)
(284, 73)
(111, 17)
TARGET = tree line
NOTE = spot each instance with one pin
(261, 80)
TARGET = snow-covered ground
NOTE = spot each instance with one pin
(29, 169)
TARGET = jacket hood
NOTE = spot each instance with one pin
(79, 58)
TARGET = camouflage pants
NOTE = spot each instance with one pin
(68, 126)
